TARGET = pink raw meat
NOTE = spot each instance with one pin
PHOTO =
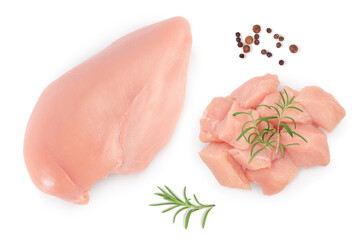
(110, 114)
(231, 127)
(262, 160)
(275, 97)
(252, 92)
(214, 113)
(323, 107)
(273, 180)
(226, 170)
(313, 153)
(269, 169)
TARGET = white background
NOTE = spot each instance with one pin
(41, 40)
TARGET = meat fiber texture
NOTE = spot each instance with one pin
(228, 159)
(111, 114)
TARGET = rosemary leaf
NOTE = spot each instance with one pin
(205, 216)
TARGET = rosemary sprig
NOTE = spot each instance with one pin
(172, 199)
(264, 137)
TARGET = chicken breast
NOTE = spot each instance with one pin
(252, 92)
(273, 180)
(325, 110)
(213, 115)
(275, 97)
(262, 160)
(315, 152)
(225, 169)
(110, 114)
(268, 168)
(231, 127)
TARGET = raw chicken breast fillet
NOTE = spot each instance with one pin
(110, 114)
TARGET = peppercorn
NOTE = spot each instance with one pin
(263, 51)
(276, 36)
(256, 28)
(238, 39)
(257, 42)
(281, 38)
(293, 48)
(257, 36)
(242, 55)
(269, 54)
(278, 45)
(240, 44)
(269, 30)
(246, 48)
(237, 34)
(248, 40)
(281, 62)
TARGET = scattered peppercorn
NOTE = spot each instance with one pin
(256, 28)
(248, 40)
(246, 48)
(293, 48)
(245, 45)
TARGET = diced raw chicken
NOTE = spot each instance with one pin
(110, 114)
(268, 169)
(273, 180)
(231, 127)
(273, 98)
(252, 92)
(226, 170)
(214, 113)
(262, 160)
(313, 153)
(322, 106)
